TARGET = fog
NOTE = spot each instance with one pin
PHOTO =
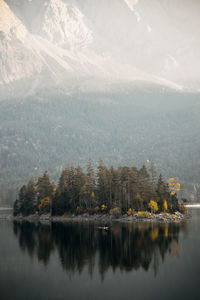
(154, 41)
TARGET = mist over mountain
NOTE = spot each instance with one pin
(121, 40)
(80, 79)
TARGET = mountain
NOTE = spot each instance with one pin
(69, 43)
(130, 128)
(63, 25)
(17, 59)
(160, 38)
(116, 79)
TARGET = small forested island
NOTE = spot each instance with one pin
(108, 192)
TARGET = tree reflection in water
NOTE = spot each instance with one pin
(127, 247)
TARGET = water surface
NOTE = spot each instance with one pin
(80, 261)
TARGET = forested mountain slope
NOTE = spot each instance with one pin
(123, 129)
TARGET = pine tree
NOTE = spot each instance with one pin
(21, 200)
(162, 193)
(79, 182)
(31, 197)
(120, 190)
(44, 187)
(25, 203)
(62, 199)
(145, 186)
(16, 208)
(153, 174)
(88, 190)
(90, 172)
(102, 184)
(45, 192)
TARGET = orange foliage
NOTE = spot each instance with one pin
(165, 205)
(44, 202)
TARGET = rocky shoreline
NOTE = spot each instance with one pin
(104, 218)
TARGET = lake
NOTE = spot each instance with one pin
(81, 261)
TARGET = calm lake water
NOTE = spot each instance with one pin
(74, 261)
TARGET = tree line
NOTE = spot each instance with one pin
(106, 190)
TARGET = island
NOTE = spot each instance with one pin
(123, 193)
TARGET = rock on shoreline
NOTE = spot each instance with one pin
(163, 217)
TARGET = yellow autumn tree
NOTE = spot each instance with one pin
(153, 206)
(131, 211)
(165, 206)
(103, 207)
(174, 185)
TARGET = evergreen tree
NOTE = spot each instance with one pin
(102, 184)
(120, 190)
(153, 174)
(21, 200)
(62, 200)
(145, 186)
(174, 203)
(44, 187)
(31, 197)
(90, 172)
(25, 204)
(162, 193)
(16, 208)
(79, 182)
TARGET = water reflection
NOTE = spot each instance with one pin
(127, 247)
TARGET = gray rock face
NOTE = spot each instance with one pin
(17, 58)
(123, 40)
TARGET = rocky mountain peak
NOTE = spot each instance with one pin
(17, 60)
(10, 25)
(63, 24)
(133, 40)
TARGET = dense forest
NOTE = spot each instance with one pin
(108, 190)
(47, 132)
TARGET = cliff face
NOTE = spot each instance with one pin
(17, 59)
(116, 40)
(63, 24)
